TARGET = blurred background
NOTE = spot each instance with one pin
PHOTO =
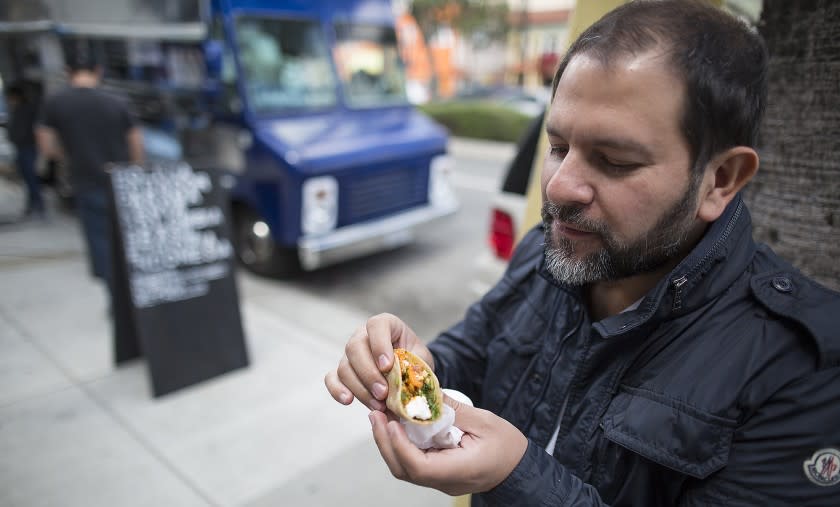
(376, 156)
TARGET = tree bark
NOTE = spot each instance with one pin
(795, 198)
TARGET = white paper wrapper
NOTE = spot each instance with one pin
(442, 434)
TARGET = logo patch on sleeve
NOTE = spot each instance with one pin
(823, 469)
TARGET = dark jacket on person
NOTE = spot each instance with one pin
(721, 388)
(93, 127)
(22, 124)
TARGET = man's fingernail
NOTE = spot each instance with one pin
(379, 390)
(344, 398)
(372, 420)
(383, 361)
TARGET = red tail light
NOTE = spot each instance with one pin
(502, 234)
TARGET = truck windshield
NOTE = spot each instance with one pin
(369, 65)
(285, 64)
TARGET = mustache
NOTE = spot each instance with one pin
(572, 215)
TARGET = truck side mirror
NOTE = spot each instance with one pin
(213, 58)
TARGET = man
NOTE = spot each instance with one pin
(89, 129)
(22, 114)
(641, 349)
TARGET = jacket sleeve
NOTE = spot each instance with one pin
(540, 480)
(787, 453)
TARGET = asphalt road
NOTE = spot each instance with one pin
(429, 283)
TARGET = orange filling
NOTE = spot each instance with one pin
(413, 375)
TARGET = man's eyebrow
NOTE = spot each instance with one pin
(622, 145)
(551, 131)
(608, 142)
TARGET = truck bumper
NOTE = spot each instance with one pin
(365, 238)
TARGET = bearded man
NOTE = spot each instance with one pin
(641, 349)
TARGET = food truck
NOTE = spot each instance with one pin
(301, 102)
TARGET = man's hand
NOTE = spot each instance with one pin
(48, 144)
(368, 354)
(490, 449)
(134, 141)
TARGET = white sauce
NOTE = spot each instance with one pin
(418, 408)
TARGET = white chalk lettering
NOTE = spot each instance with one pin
(170, 245)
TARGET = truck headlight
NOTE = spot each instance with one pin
(440, 188)
(319, 208)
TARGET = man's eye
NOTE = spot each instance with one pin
(558, 151)
(618, 164)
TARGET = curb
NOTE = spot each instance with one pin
(478, 148)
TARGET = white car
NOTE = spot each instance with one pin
(508, 211)
(7, 153)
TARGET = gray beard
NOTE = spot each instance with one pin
(616, 260)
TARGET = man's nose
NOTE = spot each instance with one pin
(568, 181)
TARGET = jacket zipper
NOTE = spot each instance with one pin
(678, 282)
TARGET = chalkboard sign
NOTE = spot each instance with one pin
(174, 295)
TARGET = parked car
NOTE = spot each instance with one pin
(528, 101)
(508, 210)
(7, 150)
(7, 153)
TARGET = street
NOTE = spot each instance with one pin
(428, 283)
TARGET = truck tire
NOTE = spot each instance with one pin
(256, 249)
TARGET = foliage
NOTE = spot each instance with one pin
(487, 18)
(479, 119)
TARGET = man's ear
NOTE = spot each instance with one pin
(725, 175)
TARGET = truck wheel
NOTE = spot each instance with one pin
(257, 250)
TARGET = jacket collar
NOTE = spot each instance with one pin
(722, 255)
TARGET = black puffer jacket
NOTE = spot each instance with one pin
(721, 388)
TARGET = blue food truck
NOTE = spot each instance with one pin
(301, 102)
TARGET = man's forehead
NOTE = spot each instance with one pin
(656, 58)
(641, 83)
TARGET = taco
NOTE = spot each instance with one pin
(413, 389)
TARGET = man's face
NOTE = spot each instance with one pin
(619, 198)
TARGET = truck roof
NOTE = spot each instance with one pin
(179, 20)
(370, 11)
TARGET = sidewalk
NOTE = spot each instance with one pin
(77, 431)
(477, 148)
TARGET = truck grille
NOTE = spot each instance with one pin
(380, 192)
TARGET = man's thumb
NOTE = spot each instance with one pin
(466, 416)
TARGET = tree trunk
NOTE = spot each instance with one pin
(795, 198)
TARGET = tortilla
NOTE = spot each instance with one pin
(410, 376)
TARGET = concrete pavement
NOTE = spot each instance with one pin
(77, 431)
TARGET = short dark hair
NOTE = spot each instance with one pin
(721, 59)
(79, 55)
